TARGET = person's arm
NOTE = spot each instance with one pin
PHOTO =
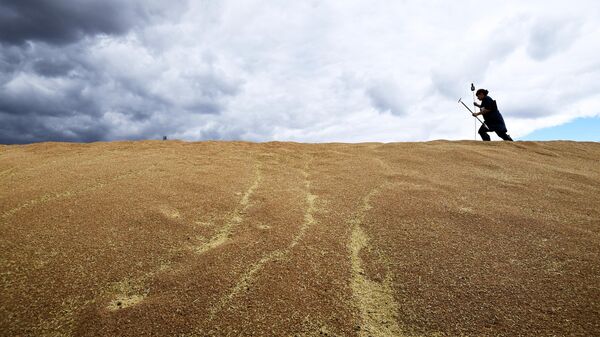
(485, 105)
(483, 111)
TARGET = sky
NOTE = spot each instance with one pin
(581, 129)
(305, 71)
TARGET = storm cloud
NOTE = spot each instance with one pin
(314, 71)
(66, 21)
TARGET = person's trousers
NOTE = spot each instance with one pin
(483, 133)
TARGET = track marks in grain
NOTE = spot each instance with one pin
(169, 212)
(236, 218)
(374, 300)
(245, 282)
(309, 219)
(127, 293)
(249, 277)
(131, 291)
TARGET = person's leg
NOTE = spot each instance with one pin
(504, 136)
(483, 133)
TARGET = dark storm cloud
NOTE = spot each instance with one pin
(67, 98)
(64, 93)
(53, 67)
(65, 21)
(55, 84)
(21, 129)
(10, 59)
(35, 104)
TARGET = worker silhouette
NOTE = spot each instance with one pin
(492, 117)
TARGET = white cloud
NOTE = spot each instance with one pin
(357, 71)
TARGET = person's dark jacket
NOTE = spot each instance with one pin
(493, 119)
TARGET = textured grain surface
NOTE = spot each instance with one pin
(233, 238)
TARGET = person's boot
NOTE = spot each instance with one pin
(504, 136)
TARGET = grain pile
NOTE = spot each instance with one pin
(286, 239)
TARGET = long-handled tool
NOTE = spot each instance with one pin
(474, 121)
(471, 111)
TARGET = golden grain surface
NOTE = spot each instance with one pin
(286, 239)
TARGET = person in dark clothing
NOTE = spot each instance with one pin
(492, 117)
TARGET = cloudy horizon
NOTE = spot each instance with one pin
(308, 71)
